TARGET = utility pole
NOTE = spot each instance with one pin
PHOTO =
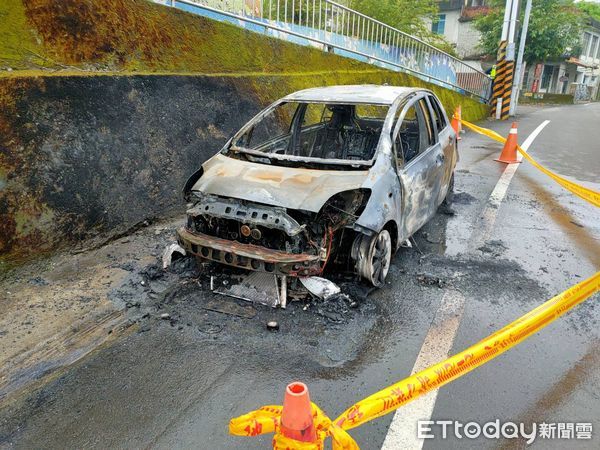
(514, 99)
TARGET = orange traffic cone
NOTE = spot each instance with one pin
(509, 152)
(296, 417)
(456, 124)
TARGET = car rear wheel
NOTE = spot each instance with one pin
(448, 199)
(374, 256)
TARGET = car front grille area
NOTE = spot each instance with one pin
(234, 230)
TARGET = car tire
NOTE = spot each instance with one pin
(373, 257)
(448, 198)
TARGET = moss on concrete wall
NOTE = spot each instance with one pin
(18, 44)
(137, 36)
(270, 87)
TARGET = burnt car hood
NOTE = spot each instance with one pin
(295, 188)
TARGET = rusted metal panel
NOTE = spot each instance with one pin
(248, 256)
(247, 250)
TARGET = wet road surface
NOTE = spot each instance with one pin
(176, 383)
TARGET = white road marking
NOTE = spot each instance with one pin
(402, 433)
(484, 227)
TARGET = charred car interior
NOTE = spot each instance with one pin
(317, 130)
(316, 181)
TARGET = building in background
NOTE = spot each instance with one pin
(577, 75)
(455, 23)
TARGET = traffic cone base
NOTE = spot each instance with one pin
(509, 152)
(507, 161)
(297, 417)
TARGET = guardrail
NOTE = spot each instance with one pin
(335, 27)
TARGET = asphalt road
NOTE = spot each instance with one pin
(176, 384)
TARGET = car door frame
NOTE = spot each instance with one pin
(448, 140)
(419, 194)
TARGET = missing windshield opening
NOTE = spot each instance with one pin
(314, 133)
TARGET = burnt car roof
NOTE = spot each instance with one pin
(360, 93)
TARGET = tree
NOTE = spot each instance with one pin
(589, 9)
(407, 16)
(554, 27)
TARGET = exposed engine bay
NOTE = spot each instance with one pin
(303, 241)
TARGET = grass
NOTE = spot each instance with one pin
(128, 37)
(20, 46)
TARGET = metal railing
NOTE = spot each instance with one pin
(337, 28)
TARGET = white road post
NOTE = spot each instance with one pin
(514, 98)
(507, 8)
(512, 27)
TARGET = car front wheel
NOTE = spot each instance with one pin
(374, 254)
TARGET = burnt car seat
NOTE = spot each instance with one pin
(344, 138)
(330, 140)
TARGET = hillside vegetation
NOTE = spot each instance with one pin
(137, 35)
(78, 37)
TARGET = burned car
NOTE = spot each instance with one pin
(326, 177)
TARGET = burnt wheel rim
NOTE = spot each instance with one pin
(380, 258)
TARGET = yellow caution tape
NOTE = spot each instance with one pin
(392, 397)
(268, 418)
(581, 191)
